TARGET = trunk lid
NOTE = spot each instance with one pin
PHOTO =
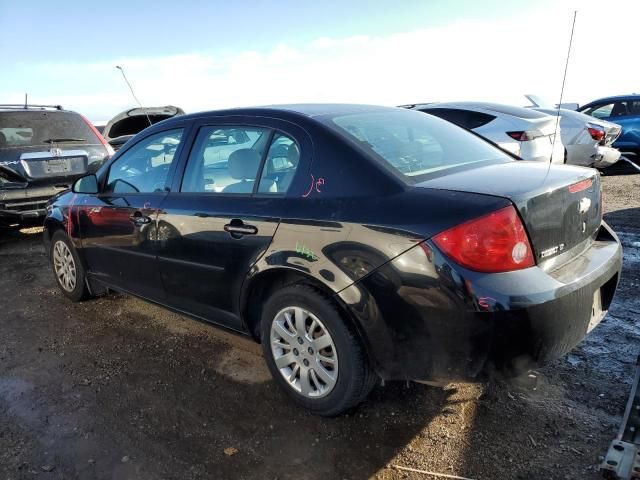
(559, 205)
(49, 164)
(133, 121)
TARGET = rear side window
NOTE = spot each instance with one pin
(414, 144)
(600, 111)
(226, 160)
(144, 168)
(463, 118)
(44, 128)
(281, 164)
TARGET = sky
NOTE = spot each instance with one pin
(204, 55)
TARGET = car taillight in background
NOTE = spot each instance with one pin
(597, 133)
(493, 243)
(525, 135)
(110, 150)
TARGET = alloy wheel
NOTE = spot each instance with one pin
(64, 266)
(304, 352)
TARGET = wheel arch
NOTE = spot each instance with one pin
(53, 222)
(258, 287)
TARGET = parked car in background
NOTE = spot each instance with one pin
(623, 110)
(527, 134)
(355, 242)
(587, 139)
(126, 124)
(43, 149)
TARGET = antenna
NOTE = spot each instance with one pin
(133, 94)
(564, 78)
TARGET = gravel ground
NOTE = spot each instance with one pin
(116, 388)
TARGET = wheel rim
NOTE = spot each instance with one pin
(64, 266)
(304, 352)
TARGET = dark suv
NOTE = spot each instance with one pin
(43, 149)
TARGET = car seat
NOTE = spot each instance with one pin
(293, 157)
(619, 109)
(243, 166)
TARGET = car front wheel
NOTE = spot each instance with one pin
(67, 268)
(312, 353)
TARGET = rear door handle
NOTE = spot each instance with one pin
(237, 227)
(138, 219)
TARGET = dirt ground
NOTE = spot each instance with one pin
(116, 388)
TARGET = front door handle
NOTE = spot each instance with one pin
(138, 219)
(238, 228)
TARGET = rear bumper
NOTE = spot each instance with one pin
(21, 205)
(605, 157)
(445, 324)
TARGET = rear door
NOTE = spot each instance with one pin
(219, 220)
(118, 226)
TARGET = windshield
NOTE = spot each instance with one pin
(414, 144)
(44, 128)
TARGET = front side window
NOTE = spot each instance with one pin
(145, 167)
(225, 159)
(411, 143)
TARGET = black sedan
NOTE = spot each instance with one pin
(354, 242)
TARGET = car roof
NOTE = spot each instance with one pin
(32, 108)
(309, 110)
(633, 96)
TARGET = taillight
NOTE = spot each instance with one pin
(496, 242)
(109, 148)
(596, 133)
(524, 136)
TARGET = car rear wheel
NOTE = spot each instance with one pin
(67, 268)
(312, 353)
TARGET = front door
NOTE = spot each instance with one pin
(223, 219)
(118, 226)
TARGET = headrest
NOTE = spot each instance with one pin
(244, 163)
(293, 154)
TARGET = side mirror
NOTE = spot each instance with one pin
(86, 184)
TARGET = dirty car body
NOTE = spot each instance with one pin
(43, 150)
(369, 218)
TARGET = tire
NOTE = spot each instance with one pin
(338, 386)
(62, 250)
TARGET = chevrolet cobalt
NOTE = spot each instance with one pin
(354, 242)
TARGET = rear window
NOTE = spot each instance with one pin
(515, 111)
(463, 118)
(42, 128)
(413, 144)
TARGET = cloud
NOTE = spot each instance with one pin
(496, 60)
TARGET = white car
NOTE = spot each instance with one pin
(524, 132)
(587, 139)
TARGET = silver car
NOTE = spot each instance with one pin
(524, 132)
(587, 139)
